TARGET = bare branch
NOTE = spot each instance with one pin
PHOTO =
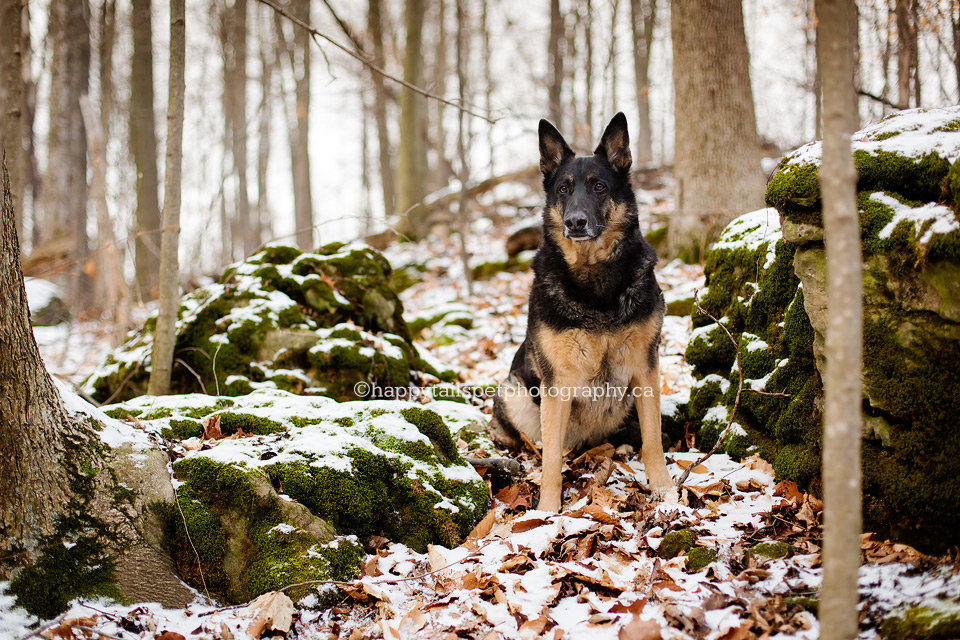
(360, 57)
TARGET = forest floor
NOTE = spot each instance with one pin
(611, 565)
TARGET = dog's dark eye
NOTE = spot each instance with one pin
(599, 187)
(563, 188)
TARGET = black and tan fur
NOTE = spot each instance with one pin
(595, 316)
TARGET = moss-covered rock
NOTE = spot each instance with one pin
(772, 550)
(699, 557)
(923, 622)
(308, 323)
(676, 542)
(384, 468)
(776, 309)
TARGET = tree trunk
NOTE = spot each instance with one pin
(11, 98)
(906, 50)
(31, 170)
(488, 82)
(612, 56)
(642, 19)
(463, 133)
(32, 421)
(112, 288)
(842, 380)
(411, 160)
(955, 23)
(555, 67)
(143, 141)
(165, 335)
(442, 171)
(238, 101)
(588, 70)
(65, 183)
(268, 61)
(387, 183)
(300, 146)
(717, 157)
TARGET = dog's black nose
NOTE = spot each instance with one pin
(575, 222)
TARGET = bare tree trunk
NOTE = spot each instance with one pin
(11, 98)
(488, 81)
(717, 157)
(365, 169)
(143, 140)
(110, 283)
(612, 56)
(817, 77)
(441, 173)
(588, 71)
(65, 183)
(33, 425)
(268, 49)
(555, 54)
(642, 19)
(906, 49)
(300, 137)
(31, 170)
(463, 133)
(842, 380)
(238, 100)
(165, 335)
(228, 242)
(411, 160)
(387, 183)
(955, 23)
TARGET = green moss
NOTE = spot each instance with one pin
(710, 351)
(699, 557)
(676, 542)
(486, 270)
(913, 178)
(120, 413)
(182, 430)
(797, 462)
(809, 604)
(923, 623)
(431, 425)
(774, 550)
(657, 238)
(231, 422)
(794, 191)
(276, 254)
(73, 563)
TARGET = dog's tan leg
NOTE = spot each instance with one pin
(647, 388)
(554, 415)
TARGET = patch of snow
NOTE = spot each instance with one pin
(930, 219)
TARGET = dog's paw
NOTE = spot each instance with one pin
(664, 493)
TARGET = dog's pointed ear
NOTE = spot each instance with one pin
(615, 144)
(553, 149)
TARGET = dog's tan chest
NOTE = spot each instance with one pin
(579, 357)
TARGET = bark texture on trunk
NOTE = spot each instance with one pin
(268, 61)
(642, 19)
(842, 381)
(555, 67)
(238, 101)
(411, 160)
(33, 487)
(11, 98)
(143, 141)
(907, 53)
(717, 157)
(387, 183)
(65, 182)
(165, 335)
(300, 147)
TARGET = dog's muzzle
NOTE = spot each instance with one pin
(577, 227)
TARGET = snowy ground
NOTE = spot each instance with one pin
(593, 572)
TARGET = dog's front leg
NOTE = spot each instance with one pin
(646, 388)
(554, 415)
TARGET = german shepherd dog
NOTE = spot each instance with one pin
(591, 348)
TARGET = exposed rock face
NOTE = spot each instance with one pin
(773, 299)
(296, 484)
(310, 323)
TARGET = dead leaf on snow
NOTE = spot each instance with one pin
(211, 427)
(169, 635)
(751, 485)
(596, 512)
(412, 622)
(67, 628)
(757, 463)
(683, 464)
(638, 629)
(483, 528)
(526, 525)
(634, 607)
(719, 488)
(272, 611)
(436, 559)
(741, 632)
(788, 489)
(533, 628)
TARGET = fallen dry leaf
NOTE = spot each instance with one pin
(683, 464)
(526, 525)
(757, 463)
(788, 489)
(272, 611)
(741, 632)
(638, 629)
(483, 527)
(211, 427)
(67, 629)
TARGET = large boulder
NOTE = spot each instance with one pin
(295, 485)
(309, 323)
(772, 296)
